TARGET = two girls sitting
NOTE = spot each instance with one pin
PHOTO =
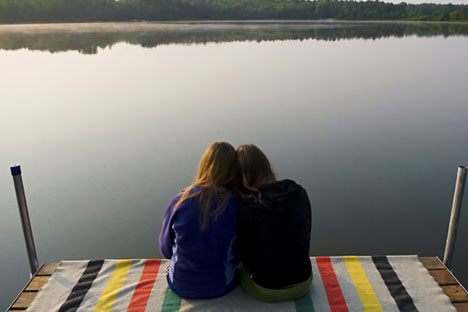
(237, 222)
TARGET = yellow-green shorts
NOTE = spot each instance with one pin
(272, 295)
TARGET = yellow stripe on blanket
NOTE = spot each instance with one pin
(116, 281)
(363, 286)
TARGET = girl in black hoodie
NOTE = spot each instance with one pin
(274, 220)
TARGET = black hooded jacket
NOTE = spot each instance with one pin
(274, 235)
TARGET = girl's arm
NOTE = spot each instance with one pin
(167, 235)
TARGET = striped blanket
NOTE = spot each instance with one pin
(364, 283)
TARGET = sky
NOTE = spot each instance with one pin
(429, 1)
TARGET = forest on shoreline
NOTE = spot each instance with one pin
(46, 11)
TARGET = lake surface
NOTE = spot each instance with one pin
(109, 122)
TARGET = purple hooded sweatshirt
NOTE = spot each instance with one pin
(203, 263)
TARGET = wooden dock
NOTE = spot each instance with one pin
(447, 282)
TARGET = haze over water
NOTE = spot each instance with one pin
(109, 125)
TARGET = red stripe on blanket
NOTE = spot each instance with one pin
(332, 287)
(144, 286)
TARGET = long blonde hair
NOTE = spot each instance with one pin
(253, 171)
(216, 173)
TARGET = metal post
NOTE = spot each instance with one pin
(26, 223)
(455, 216)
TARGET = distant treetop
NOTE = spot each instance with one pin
(35, 11)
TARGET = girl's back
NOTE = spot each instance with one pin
(274, 235)
(202, 262)
(199, 229)
(274, 223)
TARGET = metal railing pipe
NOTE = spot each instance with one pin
(24, 215)
(455, 216)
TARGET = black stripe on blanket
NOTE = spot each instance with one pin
(81, 288)
(397, 290)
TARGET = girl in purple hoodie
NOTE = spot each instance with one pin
(199, 229)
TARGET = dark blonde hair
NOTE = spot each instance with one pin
(216, 173)
(253, 171)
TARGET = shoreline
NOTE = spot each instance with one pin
(241, 22)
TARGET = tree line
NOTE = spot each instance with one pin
(33, 11)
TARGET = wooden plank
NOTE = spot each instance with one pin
(37, 283)
(24, 300)
(432, 263)
(455, 293)
(443, 277)
(461, 307)
(26, 297)
(47, 268)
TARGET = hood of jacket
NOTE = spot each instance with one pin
(276, 196)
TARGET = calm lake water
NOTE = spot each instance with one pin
(109, 122)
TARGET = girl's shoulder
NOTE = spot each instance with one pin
(275, 197)
(233, 200)
(191, 189)
(194, 191)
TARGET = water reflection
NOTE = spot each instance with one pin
(88, 37)
(371, 128)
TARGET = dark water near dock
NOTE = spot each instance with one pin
(109, 121)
